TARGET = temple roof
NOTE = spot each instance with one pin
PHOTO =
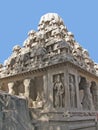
(51, 17)
(51, 42)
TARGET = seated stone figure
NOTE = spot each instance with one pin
(38, 103)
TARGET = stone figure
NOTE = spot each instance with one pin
(87, 102)
(94, 92)
(58, 89)
(38, 98)
(39, 102)
(72, 91)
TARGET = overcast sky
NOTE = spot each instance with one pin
(17, 17)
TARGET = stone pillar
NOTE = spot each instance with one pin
(79, 105)
(45, 84)
(26, 83)
(11, 88)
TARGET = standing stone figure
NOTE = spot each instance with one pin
(72, 91)
(94, 92)
(87, 102)
(58, 92)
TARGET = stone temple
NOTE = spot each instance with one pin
(50, 83)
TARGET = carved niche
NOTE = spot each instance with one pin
(72, 88)
(58, 91)
(87, 102)
(94, 92)
(36, 92)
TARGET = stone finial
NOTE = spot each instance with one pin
(16, 48)
(85, 53)
(70, 34)
(31, 33)
(51, 17)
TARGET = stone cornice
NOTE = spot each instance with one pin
(41, 71)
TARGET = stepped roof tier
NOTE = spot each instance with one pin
(51, 44)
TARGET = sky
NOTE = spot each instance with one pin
(18, 17)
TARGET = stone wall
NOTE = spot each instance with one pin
(14, 113)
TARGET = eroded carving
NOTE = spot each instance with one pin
(94, 92)
(13, 113)
(72, 89)
(51, 33)
(58, 91)
(87, 102)
(51, 48)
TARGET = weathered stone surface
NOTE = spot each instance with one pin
(51, 31)
(52, 78)
(14, 113)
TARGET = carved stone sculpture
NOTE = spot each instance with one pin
(39, 102)
(94, 92)
(58, 89)
(48, 75)
(87, 102)
(72, 91)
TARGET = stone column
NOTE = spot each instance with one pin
(45, 84)
(67, 92)
(79, 105)
(11, 88)
(26, 83)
